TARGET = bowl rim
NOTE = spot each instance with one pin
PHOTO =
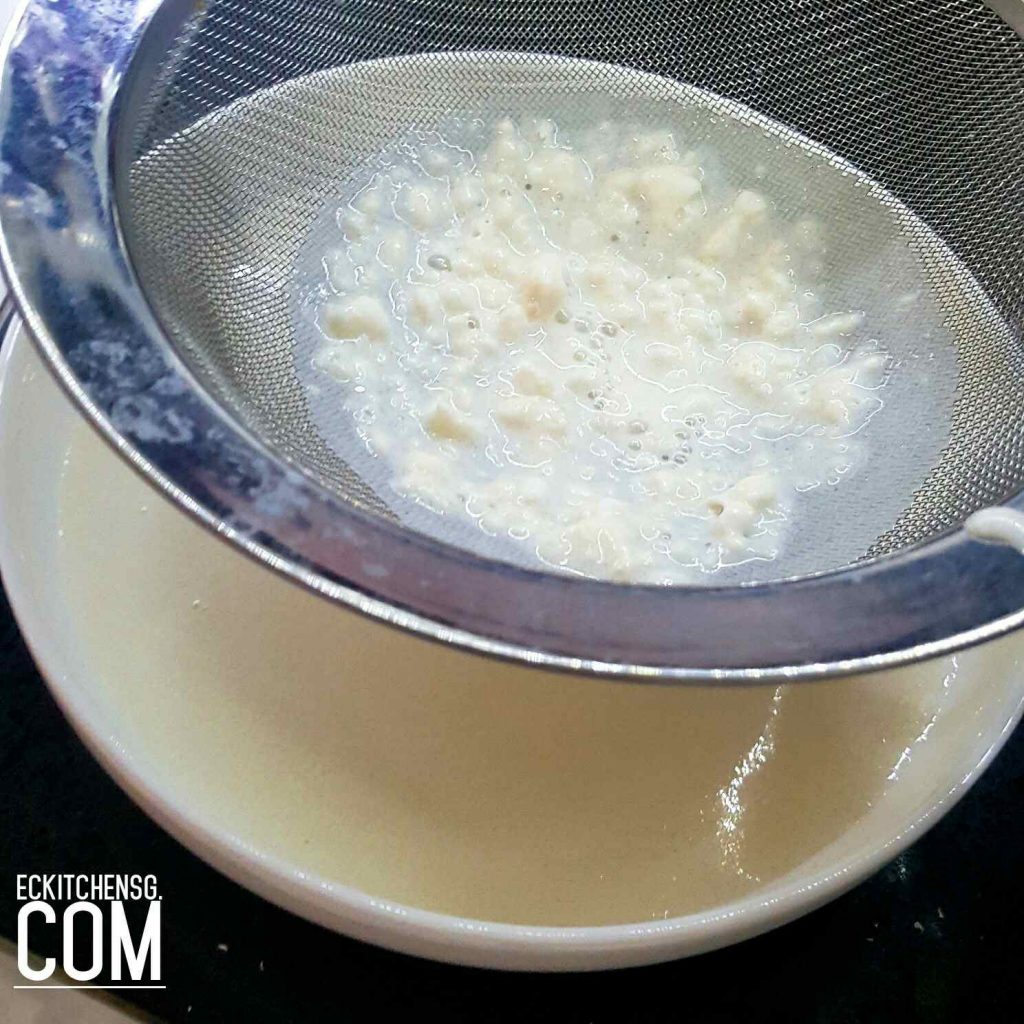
(405, 928)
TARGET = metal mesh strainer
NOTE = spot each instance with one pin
(233, 165)
(235, 124)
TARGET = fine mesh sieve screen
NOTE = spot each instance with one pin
(897, 123)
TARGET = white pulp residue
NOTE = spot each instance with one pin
(998, 525)
(579, 347)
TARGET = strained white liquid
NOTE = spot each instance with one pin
(454, 783)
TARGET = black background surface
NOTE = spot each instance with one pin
(933, 937)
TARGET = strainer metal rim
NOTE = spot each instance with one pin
(65, 67)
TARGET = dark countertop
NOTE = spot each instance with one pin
(935, 936)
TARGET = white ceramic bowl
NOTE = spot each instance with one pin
(35, 424)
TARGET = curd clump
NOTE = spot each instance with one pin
(593, 350)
